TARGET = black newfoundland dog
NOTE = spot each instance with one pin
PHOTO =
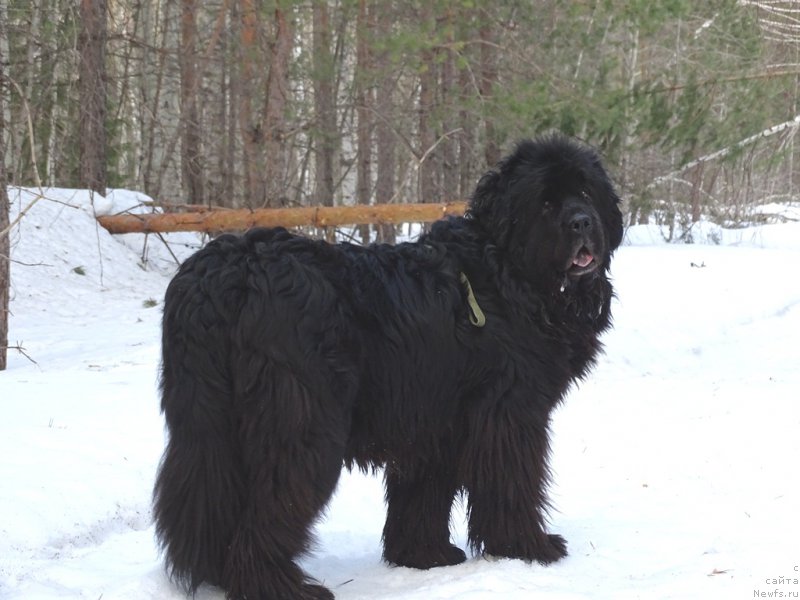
(439, 361)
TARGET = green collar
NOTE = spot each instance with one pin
(476, 316)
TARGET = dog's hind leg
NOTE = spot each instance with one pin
(199, 492)
(292, 445)
(417, 530)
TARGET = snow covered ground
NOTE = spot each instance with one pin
(676, 466)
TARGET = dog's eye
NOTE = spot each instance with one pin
(586, 195)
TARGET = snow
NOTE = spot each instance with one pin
(675, 464)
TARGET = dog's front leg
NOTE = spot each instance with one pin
(419, 497)
(506, 476)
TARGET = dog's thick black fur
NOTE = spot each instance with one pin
(284, 358)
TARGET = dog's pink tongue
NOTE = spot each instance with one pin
(583, 259)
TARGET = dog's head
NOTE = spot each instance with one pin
(551, 208)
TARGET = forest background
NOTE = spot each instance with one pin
(268, 103)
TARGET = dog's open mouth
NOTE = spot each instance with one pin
(583, 262)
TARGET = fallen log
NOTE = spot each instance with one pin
(316, 216)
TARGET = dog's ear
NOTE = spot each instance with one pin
(486, 192)
(486, 204)
(615, 228)
(613, 216)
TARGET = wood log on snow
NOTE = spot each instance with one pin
(241, 219)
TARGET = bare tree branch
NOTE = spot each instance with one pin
(792, 124)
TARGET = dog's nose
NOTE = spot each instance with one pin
(580, 223)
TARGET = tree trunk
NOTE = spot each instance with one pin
(385, 140)
(122, 163)
(92, 76)
(231, 148)
(191, 158)
(466, 139)
(19, 140)
(251, 131)
(324, 106)
(5, 245)
(364, 101)
(152, 90)
(449, 97)
(486, 83)
(428, 191)
(221, 193)
(277, 98)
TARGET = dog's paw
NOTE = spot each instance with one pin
(544, 550)
(426, 557)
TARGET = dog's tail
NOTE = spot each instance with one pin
(198, 497)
